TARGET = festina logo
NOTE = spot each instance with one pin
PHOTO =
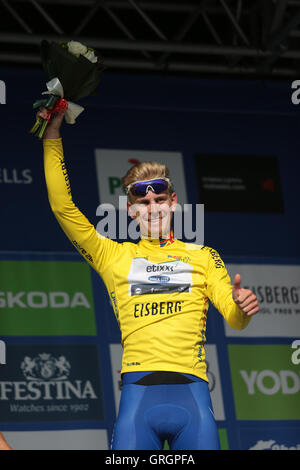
(46, 379)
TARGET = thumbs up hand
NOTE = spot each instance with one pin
(244, 298)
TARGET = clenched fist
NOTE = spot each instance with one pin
(53, 128)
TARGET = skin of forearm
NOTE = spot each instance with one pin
(52, 133)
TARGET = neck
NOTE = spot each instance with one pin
(169, 236)
(163, 236)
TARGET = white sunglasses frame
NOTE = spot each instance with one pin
(127, 189)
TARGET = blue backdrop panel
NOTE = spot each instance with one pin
(188, 115)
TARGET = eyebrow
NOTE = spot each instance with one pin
(158, 196)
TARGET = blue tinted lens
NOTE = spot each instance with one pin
(141, 188)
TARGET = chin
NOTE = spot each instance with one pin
(156, 229)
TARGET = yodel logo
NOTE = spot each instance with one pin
(43, 300)
(266, 384)
(269, 382)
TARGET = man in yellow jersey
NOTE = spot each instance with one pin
(160, 289)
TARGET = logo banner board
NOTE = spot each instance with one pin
(113, 164)
(46, 298)
(239, 183)
(266, 383)
(277, 288)
(264, 438)
(51, 383)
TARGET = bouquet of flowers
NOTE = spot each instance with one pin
(73, 72)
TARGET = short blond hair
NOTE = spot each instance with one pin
(145, 171)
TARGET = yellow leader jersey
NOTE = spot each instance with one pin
(160, 294)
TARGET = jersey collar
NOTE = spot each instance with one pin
(161, 241)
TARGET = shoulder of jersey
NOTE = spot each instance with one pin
(127, 246)
(203, 249)
(193, 246)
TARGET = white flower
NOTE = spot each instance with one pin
(90, 56)
(76, 48)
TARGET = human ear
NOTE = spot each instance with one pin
(174, 201)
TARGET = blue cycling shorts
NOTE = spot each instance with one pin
(151, 414)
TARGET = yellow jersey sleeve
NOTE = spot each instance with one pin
(219, 290)
(98, 250)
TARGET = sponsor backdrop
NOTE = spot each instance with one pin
(232, 146)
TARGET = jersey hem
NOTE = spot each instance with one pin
(183, 370)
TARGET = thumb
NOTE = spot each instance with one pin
(237, 281)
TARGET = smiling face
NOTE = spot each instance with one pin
(153, 212)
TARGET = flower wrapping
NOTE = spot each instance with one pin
(73, 72)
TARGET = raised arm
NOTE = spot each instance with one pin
(220, 292)
(96, 249)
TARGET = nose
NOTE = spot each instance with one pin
(152, 211)
(154, 207)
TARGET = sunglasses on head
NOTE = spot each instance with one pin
(141, 188)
